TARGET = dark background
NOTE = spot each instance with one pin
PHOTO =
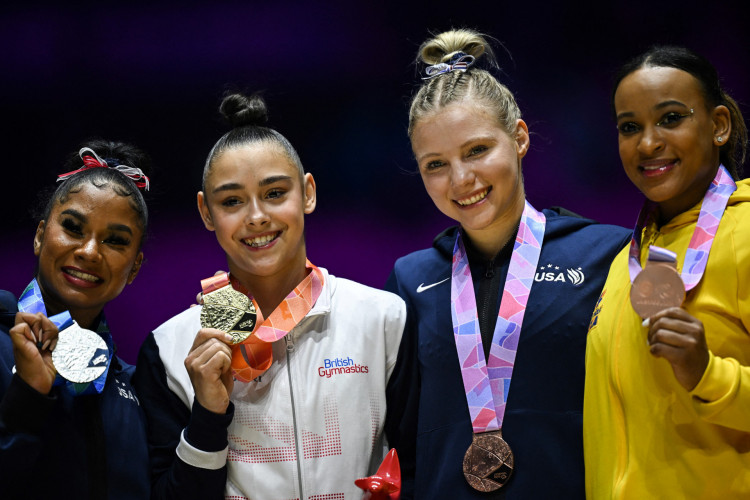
(337, 77)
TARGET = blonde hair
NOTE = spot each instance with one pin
(475, 84)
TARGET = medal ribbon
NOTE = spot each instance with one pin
(487, 383)
(31, 301)
(714, 203)
(254, 355)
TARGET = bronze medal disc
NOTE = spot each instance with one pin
(488, 463)
(231, 311)
(657, 287)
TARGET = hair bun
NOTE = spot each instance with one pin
(241, 111)
(443, 46)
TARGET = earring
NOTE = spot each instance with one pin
(720, 139)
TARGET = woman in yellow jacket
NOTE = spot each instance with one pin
(667, 399)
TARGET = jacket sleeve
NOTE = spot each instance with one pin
(187, 448)
(722, 396)
(402, 396)
(23, 412)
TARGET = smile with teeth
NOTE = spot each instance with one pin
(260, 241)
(82, 275)
(655, 167)
(475, 198)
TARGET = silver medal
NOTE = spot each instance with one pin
(80, 355)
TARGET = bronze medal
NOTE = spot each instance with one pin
(228, 310)
(488, 463)
(657, 287)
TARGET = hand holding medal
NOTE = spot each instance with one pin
(34, 336)
(66, 354)
(656, 295)
(673, 333)
(228, 318)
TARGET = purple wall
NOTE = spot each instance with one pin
(337, 80)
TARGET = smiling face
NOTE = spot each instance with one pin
(88, 250)
(668, 137)
(255, 200)
(471, 168)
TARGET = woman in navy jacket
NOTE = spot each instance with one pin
(468, 139)
(72, 438)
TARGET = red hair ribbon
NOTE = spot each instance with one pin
(135, 174)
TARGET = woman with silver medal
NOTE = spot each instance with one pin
(481, 313)
(67, 407)
(666, 411)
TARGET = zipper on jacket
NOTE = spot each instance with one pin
(487, 306)
(289, 349)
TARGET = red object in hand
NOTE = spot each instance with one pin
(386, 483)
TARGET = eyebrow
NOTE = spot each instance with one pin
(661, 105)
(74, 213)
(466, 143)
(120, 227)
(81, 217)
(274, 178)
(230, 186)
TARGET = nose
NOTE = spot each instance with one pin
(650, 141)
(256, 214)
(462, 174)
(89, 250)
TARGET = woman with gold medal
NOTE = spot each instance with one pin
(275, 387)
(486, 399)
(667, 411)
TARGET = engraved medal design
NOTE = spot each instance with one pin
(80, 355)
(488, 463)
(231, 311)
(656, 288)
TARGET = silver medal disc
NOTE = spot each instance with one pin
(80, 355)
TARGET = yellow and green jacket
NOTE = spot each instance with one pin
(645, 436)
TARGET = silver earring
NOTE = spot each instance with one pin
(720, 139)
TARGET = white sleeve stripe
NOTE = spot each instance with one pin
(212, 460)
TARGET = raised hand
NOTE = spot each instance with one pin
(34, 338)
(209, 365)
(677, 336)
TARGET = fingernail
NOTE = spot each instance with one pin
(646, 322)
(47, 343)
(228, 337)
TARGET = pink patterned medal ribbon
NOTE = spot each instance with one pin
(487, 383)
(714, 203)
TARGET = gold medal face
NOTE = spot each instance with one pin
(228, 310)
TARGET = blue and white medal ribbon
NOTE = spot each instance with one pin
(81, 357)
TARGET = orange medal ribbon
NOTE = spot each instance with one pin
(253, 356)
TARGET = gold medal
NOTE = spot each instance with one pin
(228, 310)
